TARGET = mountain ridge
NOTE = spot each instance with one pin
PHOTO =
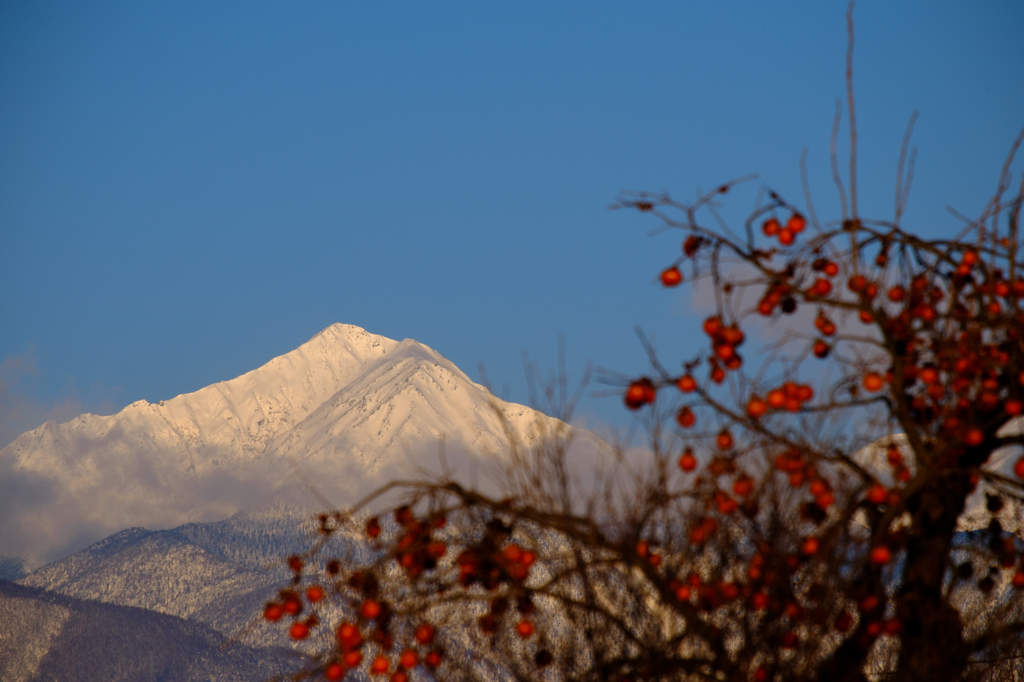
(346, 408)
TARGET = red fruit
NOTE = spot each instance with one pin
(292, 606)
(873, 382)
(295, 563)
(671, 277)
(425, 634)
(821, 349)
(688, 462)
(409, 659)
(757, 408)
(831, 269)
(759, 601)
(843, 622)
(334, 672)
(314, 593)
(725, 351)
(691, 245)
(373, 527)
(726, 504)
(743, 486)
(796, 223)
(686, 418)
(786, 236)
(1018, 580)
(790, 640)
(724, 440)
(868, 604)
(733, 336)
(896, 294)
(380, 666)
(273, 612)
(640, 393)
(974, 437)
(399, 676)
(528, 558)
(513, 553)
(857, 283)
(771, 227)
(1013, 407)
(821, 288)
(299, 631)
(810, 546)
(712, 326)
(370, 609)
(432, 659)
(352, 659)
(687, 384)
(1018, 468)
(762, 674)
(880, 555)
(877, 494)
(524, 628)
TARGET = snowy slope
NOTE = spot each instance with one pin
(346, 409)
(53, 637)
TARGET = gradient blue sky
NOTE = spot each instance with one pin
(189, 189)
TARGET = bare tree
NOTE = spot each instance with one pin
(793, 521)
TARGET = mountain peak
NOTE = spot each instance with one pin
(346, 403)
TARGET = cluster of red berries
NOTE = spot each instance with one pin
(702, 530)
(490, 567)
(786, 235)
(778, 294)
(350, 655)
(641, 392)
(289, 603)
(499, 607)
(791, 397)
(416, 550)
(724, 341)
(707, 595)
(802, 473)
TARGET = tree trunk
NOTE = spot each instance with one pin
(932, 644)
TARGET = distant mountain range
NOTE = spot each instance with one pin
(347, 409)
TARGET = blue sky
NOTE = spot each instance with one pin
(189, 189)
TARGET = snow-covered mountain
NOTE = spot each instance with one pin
(347, 409)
